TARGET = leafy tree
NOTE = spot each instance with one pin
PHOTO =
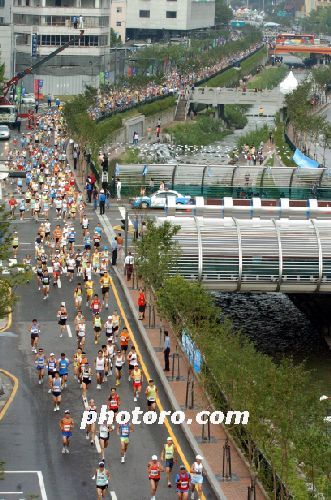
(223, 13)
(10, 277)
(156, 253)
(319, 21)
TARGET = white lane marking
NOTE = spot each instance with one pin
(113, 495)
(40, 479)
(69, 331)
(122, 212)
(11, 492)
(97, 444)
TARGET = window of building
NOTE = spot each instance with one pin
(2, 20)
(171, 14)
(144, 13)
(118, 23)
(2, 3)
(118, 10)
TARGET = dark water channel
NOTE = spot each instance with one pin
(278, 328)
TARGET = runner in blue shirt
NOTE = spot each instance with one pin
(63, 365)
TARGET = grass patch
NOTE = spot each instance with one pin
(235, 116)
(284, 151)
(268, 78)
(254, 137)
(200, 132)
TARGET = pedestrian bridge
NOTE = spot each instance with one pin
(289, 256)
(220, 96)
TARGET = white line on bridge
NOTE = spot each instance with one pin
(113, 495)
(11, 492)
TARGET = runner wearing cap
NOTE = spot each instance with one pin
(102, 478)
(105, 282)
(197, 476)
(108, 326)
(154, 469)
(183, 480)
(168, 454)
(66, 426)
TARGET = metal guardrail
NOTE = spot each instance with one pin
(255, 255)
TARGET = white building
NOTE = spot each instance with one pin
(52, 21)
(155, 18)
(118, 11)
(6, 48)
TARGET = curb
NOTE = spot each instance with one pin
(8, 321)
(187, 431)
(10, 399)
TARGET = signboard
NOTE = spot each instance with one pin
(37, 89)
(104, 177)
(40, 83)
(193, 354)
(34, 44)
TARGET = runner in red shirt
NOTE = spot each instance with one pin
(154, 469)
(96, 304)
(114, 402)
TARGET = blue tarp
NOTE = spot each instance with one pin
(304, 161)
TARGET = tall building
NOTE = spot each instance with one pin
(314, 4)
(49, 24)
(159, 18)
(118, 10)
(6, 36)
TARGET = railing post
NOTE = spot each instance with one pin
(227, 466)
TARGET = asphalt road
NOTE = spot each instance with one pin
(29, 433)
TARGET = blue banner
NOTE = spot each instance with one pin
(193, 354)
(304, 161)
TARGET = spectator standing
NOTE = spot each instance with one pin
(114, 249)
(49, 101)
(89, 188)
(135, 138)
(57, 102)
(141, 304)
(102, 201)
(36, 106)
(128, 266)
(75, 22)
(75, 157)
(12, 203)
(95, 197)
(166, 351)
(81, 22)
(118, 188)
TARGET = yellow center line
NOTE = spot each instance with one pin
(148, 377)
(12, 395)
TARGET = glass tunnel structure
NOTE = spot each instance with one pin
(218, 181)
(290, 256)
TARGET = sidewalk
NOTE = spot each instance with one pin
(234, 489)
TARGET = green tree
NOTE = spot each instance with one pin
(10, 277)
(319, 21)
(156, 253)
(223, 13)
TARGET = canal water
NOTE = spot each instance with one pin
(278, 328)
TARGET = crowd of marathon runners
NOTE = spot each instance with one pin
(81, 257)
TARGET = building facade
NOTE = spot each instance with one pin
(314, 4)
(159, 18)
(118, 10)
(51, 23)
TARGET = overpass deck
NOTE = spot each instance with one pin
(311, 49)
(290, 256)
(216, 96)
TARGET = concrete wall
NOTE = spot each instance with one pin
(190, 14)
(6, 49)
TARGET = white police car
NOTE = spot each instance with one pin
(160, 199)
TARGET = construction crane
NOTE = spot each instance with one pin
(27, 71)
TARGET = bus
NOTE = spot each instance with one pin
(294, 39)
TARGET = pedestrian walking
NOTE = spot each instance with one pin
(75, 158)
(102, 201)
(135, 138)
(166, 351)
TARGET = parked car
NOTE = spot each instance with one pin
(159, 199)
(28, 99)
(4, 132)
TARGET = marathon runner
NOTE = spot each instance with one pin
(151, 394)
(63, 366)
(51, 367)
(104, 432)
(56, 390)
(105, 282)
(102, 478)
(66, 426)
(90, 428)
(34, 332)
(119, 362)
(100, 368)
(124, 430)
(154, 469)
(183, 482)
(137, 382)
(168, 455)
(40, 362)
(197, 472)
(114, 402)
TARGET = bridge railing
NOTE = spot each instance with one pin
(255, 255)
